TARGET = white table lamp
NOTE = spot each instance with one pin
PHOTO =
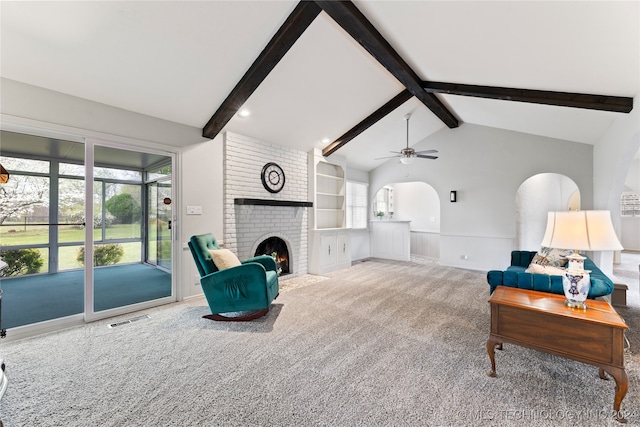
(580, 231)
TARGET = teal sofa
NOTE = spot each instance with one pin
(244, 292)
(516, 277)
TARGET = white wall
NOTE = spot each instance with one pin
(35, 103)
(200, 185)
(630, 238)
(356, 174)
(486, 166)
(536, 196)
(612, 158)
(632, 181)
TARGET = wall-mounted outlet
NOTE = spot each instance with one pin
(464, 257)
(197, 279)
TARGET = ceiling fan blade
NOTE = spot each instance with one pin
(426, 151)
(422, 156)
(388, 157)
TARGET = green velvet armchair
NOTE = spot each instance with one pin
(239, 293)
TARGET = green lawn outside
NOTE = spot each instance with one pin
(38, 234)
(67, 254)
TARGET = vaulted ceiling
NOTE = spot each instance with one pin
(179, 61)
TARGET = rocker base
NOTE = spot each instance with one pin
(238, 316)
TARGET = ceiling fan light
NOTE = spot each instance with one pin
(406, 160)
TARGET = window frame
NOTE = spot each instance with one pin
(349, 205)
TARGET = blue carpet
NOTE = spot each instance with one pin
(33, 299)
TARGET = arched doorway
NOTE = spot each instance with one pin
(419, 203)
(535, 197)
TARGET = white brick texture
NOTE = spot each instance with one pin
(246, 226)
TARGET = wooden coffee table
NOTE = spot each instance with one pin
(541, 321)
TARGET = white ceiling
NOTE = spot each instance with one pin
(179, 60)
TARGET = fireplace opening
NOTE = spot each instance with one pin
(277, 248)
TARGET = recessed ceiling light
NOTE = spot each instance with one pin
(244, 113)
(326, 140)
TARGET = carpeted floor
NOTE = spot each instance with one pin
(383, 343)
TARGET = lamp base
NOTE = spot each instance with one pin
(576, 261)
(578, 305)
(576, 286)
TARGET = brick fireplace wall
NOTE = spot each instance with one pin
(246, 226)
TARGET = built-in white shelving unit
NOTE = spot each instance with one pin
(329, 195)
(330, 241)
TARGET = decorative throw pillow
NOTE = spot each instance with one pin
(551, 256)
(541, 269)
(224, 258)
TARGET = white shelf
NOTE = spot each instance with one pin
(330, 194)
(322, 175)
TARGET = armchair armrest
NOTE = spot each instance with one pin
(266, 261)
(236, 289)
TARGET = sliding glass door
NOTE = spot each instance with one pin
(132, 242)
(159, 217)
(85, 229)
(41, 230)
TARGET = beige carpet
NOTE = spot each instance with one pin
(380, 344)
(287, 284)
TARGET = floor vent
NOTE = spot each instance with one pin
(126, 322)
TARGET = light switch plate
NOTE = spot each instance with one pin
(194, 210)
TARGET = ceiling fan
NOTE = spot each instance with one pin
(407, 154)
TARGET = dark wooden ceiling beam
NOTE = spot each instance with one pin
(394, 103)
(297, 22)
(618, 104)
(347, 15)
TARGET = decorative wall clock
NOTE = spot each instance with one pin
(272, 177)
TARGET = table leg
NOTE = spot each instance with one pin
(602, 375)
(492, 342)
(622, 385)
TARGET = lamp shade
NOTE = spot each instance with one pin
(581, 230)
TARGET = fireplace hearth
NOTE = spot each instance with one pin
(277, 248)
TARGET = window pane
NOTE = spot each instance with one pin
(25, 261)
(69, 169)
(71, 210)
(24, 165)
(97, 211)
(68, 258)
(116, 253)
(121, 174)
(159, 173)
(124, 209)
(105, 254)
(24, 201)
(356, 205)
